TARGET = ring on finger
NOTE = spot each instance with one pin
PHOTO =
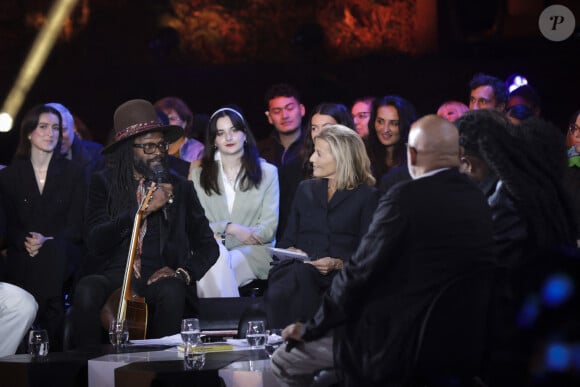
(170, 200)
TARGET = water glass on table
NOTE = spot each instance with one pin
(118, 334)
(193, 350)
(38, 344)
(256, 334)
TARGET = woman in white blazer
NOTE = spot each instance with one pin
(240, 194)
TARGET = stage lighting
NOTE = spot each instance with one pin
(36, 57)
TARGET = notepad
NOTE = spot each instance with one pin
(288, 254)
(213, 347)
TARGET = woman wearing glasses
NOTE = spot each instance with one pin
(41, 205)
(240, 195)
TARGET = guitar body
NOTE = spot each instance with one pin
(136, 314)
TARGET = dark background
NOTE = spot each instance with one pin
(123, 52)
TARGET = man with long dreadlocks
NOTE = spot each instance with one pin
(175, 246)
(519, 169)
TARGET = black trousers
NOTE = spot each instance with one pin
(165, 299)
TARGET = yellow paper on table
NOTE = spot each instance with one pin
(212, 347)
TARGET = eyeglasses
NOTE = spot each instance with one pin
(150, 147)
(573, 128)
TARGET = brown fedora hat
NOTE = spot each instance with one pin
(136, 117)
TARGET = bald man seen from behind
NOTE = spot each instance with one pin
(425, 232)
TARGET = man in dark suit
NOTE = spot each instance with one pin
(175, 246)
(425, 232)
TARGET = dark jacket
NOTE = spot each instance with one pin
(57, 212)
(289, 164)
(322, 229)
(87, 154)
(186, 239)
(424, 232)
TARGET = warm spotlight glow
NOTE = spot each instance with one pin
(37, 56)
(5, 122)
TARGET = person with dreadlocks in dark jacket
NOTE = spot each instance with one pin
(520, 169)
(175, 245)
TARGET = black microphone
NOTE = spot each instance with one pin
(160, 176)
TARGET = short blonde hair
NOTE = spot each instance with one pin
(353, 166)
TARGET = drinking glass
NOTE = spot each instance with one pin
(190, 331)
(38, 344)
(256, 334)
(193, 350)
(118, 334)
(193, 355)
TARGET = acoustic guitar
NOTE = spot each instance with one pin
(123, 303)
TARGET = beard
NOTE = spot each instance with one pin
(145, 167)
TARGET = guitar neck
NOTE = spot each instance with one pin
(126, 289)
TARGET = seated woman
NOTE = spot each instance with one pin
(41, 201)
(329, 216)
(322, 115)
(240, 195)
(391, 119)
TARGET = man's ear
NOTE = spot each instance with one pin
(412, 155)
(465, 165)
(267, 113)
(302, 110)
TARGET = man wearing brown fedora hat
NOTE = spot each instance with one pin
(175, 245)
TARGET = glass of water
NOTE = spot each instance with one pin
(256, 334)
(193, 350)
(38, 344)
(193, 355)
(119, 334)
(190, 331)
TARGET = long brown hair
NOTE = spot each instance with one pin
(29, 124)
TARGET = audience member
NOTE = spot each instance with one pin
(175, 246)
(361, 115)
(391, 118)
(85, 153)
(572, 175)
(322, 115)
(487, 92)
(530, 218)
(452, 110)
(81, 129)
(424, 233)
(17, 312)
(177, 165)
(525, 95)
(517, 113)
(42, 203)
(240, 195)
(329, 216)
(186, 147)
(283, 148)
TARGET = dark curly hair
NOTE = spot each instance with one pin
(526, 158)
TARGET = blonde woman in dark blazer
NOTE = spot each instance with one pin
(240, 195)
(329, 216)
